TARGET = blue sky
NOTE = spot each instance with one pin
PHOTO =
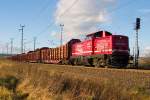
(37, 15)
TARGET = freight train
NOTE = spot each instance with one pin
(99, 49)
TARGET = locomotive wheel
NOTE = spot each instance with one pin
(95, 62)
(64, 62)
(97, 65)
(76, 61)
(72, 61)
(90, 61)
(108, 63)
(102, 63)
(98, 62)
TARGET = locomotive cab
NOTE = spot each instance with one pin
(120, 44)
(98, 34)
(120, 50)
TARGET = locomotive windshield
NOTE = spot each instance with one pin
(98, 34)
(107, 33)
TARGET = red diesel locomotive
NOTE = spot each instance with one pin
(99, 49)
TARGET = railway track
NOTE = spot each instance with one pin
(99, 69)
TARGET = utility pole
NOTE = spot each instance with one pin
(136, 58)
(24, 48)
(3, 50)
(11, 45)
(7, 47)
(61, 38)
(24, 45)
(34, 42)
(22, 34)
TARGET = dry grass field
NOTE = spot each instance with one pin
(30, 81)
(145, 63)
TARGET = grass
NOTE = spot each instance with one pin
(63, 82)
(145, 63)
(5, 94)
(8, 89)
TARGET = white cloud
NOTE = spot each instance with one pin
(83, 15)
(146, 51)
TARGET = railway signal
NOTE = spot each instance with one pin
(136, 55)
(138, 20)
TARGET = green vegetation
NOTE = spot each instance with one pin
(4, 55)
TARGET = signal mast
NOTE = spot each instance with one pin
(136, 53)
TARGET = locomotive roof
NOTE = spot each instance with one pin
(44, 48)
(30, 51)
(99, 32)
(37, 49)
